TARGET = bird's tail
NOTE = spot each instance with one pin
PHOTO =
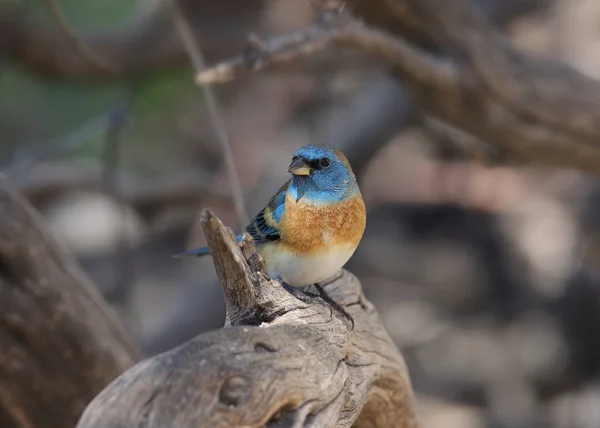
(199, 252)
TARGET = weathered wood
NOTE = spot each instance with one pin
(59, 344)
(278, 363)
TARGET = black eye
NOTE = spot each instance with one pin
(325, 162)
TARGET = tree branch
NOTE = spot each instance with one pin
(192, 47)
(150, 44)
(59, 342)
(146, 45)
(265, 53)
(538, 110)
(384, 108)
(541, 111)
(279, 363)
(429, 69)
(148, 196)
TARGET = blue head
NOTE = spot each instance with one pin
(321, 174)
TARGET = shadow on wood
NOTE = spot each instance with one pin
(59, 342)
(279, 362)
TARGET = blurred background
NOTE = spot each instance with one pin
(485, 273)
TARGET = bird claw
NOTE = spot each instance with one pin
(323, 298)
(306, 296)
(335, 305)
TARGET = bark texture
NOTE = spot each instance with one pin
(278, 362)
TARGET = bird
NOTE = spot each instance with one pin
(313, 224)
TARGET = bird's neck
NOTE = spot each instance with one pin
(303, 188)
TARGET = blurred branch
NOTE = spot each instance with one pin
(502, 12)
(25, 157)
(540, 111)
(38, 174)
(370, 120)
(124, 271)
(385, 107)
(430, 69)
(83, 48)
(147, 195)
(12, 17)
(146, 45)
(150, 44)
(393, 16)
(60, 343)
(192, 47)
(261, 54)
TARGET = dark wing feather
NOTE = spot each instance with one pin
(265, 226)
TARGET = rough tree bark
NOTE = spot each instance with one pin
(59, 343)
(277, 363)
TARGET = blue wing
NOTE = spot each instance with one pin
(263, 228)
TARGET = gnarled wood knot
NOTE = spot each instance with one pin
(235, 390)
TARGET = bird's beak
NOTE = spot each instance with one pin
(299, 167)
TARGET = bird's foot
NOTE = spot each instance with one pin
(306, 296)
(323, 298)
(333, 304)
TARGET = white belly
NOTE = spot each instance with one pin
(299, 271)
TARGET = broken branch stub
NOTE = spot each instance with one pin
(281, 363)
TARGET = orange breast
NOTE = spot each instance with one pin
(313, 228)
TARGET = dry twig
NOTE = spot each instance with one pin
(323, 35)
(124, 269)
(217, 121)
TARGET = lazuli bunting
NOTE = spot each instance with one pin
(313, 224)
